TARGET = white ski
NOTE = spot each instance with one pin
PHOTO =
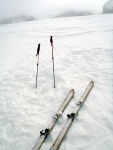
(44, 133)
(70, 118)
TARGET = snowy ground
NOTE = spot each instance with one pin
(83, 52)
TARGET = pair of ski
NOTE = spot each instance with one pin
(70, 118)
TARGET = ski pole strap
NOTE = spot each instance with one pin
(38, 49)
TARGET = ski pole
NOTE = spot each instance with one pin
(38, 49)
(51, 41)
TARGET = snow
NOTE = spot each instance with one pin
(83, 52)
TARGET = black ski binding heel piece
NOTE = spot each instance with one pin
(44, 132)
(71, 116)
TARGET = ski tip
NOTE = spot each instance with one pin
(73, 91)
(92, 82)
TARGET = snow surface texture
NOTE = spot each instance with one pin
(83, 52)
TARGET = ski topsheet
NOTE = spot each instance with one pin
(70, 118)
(44, 133)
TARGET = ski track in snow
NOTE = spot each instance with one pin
(83, 52)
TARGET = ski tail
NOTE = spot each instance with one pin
(71, 117)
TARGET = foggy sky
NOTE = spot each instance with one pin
(46, 8)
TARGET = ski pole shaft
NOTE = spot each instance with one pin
(51, 41)
(38, 49)
(53, 73)
(36, 76)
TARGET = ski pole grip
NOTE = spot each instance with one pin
(51, 40)
(38, 49)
